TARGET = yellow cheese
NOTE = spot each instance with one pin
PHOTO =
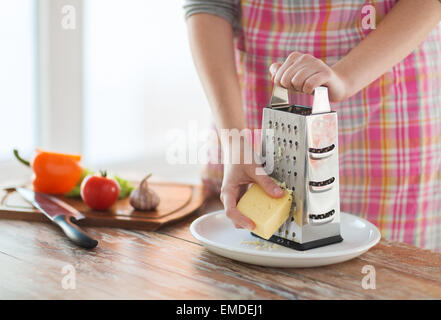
(267, 213)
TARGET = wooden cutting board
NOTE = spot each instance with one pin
(177, 202)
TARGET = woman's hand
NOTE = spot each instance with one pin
(303, 73)
(235, 183)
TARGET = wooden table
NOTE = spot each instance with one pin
(170, 264)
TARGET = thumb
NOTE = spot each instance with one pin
(274, 68)
(269, 186)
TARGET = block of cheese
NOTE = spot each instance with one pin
(267, 213)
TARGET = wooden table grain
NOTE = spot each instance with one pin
(35, 259)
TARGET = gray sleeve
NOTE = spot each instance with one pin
(227, 9)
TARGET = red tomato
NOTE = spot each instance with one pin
(99, 192)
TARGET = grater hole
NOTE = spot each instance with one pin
(293, 234)
(321, 183)
(295, 173)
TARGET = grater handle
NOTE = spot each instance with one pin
(321, 104)
(279, 96)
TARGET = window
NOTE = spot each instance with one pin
(112, 88)
(17, 77)
(139, 79)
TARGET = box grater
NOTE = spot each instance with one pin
(300, 148)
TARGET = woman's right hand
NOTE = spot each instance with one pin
(237, 177)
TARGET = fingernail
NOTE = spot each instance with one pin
(278, 191)
(272, 69)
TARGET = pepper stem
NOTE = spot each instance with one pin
(19, 158)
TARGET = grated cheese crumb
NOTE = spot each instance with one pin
(260, 244)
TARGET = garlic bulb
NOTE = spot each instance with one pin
(143, 198)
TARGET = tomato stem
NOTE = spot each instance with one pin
(103, 173)
(17, 156)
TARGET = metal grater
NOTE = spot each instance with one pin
(301, 149)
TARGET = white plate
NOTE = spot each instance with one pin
(217, 233)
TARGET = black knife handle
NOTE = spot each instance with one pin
(74, 233)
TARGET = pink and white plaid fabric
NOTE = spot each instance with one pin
(390, 132)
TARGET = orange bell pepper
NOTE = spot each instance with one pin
(55, 173)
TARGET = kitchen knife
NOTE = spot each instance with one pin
(60, 213)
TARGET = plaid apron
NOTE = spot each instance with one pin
(389, 132)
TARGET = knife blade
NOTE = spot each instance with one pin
(61, 214)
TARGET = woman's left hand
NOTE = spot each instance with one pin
(303, 73)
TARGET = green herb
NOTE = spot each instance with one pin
(76, 191)
(124, 185)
